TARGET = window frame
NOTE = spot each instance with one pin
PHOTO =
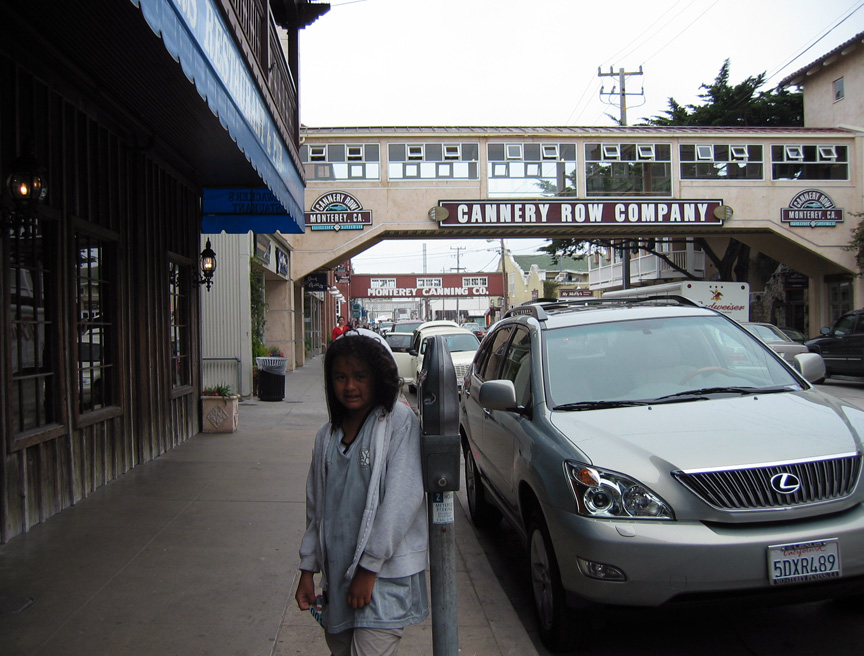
(109, 326)
(838, 87)
(48, 226)
(179, 328)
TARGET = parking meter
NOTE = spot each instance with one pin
(439, 417)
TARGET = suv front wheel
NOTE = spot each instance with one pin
(554, 618)
(483, 513)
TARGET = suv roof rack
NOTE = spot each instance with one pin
(542, 310)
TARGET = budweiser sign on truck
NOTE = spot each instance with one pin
(730, 298)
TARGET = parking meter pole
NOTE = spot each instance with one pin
(439, 421)
(442, 574)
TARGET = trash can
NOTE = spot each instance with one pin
(271, 378)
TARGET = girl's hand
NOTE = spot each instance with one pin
(360, 590)
(305, 596)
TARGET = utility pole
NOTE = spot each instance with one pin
(458, 269)
(622, 105)
(621, 91)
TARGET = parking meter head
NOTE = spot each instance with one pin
(439, 398)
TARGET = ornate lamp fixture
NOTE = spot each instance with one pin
(25, 188)
(208, 266)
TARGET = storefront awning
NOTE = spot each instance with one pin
(239, 210)
(197, 38)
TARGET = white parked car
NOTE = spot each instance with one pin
(463, 344)
(776, 339)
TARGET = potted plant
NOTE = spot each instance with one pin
(219, 409)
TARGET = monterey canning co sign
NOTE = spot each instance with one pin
(552, 212)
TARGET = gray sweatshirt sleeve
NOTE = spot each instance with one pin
(401, 505)
(310, 546)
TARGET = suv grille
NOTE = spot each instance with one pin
(758, 488)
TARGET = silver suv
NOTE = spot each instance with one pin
(653, 451)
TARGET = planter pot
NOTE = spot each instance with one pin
(219, 414)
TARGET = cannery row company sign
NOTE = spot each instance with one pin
(811, 208)
(337, 210)
(478, 213)
(452, 285)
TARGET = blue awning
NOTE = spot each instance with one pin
(195, 35)
(239, 210)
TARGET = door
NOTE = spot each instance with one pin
(503, 429)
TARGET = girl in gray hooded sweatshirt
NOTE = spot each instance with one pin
(366, 529)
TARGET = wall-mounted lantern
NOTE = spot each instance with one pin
(26, 187)
(208, 266)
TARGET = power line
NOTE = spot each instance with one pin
(674, 38)
(827, 31)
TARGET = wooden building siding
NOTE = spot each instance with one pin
(104, 182)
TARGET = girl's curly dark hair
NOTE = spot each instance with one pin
(385, 382)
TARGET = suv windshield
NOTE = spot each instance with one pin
(651, 359)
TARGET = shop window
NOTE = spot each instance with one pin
(179, 330)
(96, 369)
(35, 386)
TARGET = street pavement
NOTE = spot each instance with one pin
(195, 553)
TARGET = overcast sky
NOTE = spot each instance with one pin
(516, 63)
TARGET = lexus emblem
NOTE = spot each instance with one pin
(785, 483)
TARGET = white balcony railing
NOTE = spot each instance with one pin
(647, 268)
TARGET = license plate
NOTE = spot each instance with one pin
(807, 561)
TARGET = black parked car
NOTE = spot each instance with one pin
(842, 345)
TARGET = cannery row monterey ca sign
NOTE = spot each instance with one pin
(477, 213)
(811, 208)
(337, 210)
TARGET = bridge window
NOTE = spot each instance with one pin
(628, 169)
(432, 161)
(805, 162)
(430, 282)
(341, 161)
(382, 283)
(476, 281)
(531, 169)
(721, 162)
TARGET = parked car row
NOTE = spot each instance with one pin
(649, 454)
(409, 348)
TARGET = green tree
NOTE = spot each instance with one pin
(739, 105)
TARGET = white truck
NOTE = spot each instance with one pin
(730, 298)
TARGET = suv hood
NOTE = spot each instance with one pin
(722, 432)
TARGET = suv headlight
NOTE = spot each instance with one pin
(608, 494)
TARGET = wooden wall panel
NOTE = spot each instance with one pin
(99, 176)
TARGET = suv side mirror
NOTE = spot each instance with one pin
(825, 330)
(810, 365)
(498, 395)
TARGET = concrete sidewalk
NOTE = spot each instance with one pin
(196, 553)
